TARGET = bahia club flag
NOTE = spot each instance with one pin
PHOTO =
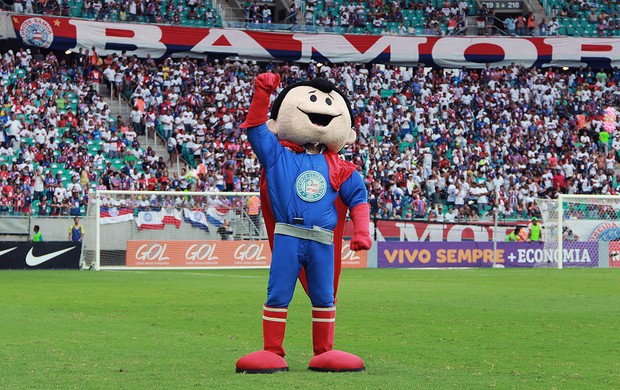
(196, 218)
(171, 216)
(109, 215)
(149, 220)
(215, 217)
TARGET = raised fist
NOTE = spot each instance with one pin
(264, 85)
(266, 82)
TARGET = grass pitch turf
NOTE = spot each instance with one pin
(432, 329)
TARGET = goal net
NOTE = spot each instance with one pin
(176, 230)
(582, 230)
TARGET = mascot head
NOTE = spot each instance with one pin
(313, 114)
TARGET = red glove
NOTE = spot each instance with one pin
(360, 215)
(264, 85)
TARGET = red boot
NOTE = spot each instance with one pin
(325, 357)
(271, 358)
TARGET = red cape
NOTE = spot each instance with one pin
(339, 171)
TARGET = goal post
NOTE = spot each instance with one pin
(176, 230)
(582, 230)
(552, 243)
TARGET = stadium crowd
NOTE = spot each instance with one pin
(369, 16)
(53, 122)
(396, 17)
(157, 11)
(433, 144)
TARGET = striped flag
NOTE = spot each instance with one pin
(171, 216)
(196, 218)
(150, 220)
(215, 217)
(109, 215)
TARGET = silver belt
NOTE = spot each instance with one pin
(317, 233)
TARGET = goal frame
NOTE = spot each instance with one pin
(560, 238)
(562, 198)
(97, 212)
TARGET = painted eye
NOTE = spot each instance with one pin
(313, 98)
(328, 101)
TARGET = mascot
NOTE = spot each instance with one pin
(306, 190)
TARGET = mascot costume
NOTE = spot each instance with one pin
(306, 190)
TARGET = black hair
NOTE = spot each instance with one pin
(319, 83)
(36, 228)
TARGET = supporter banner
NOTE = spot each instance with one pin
(450, 52)
(215, 216)
(115, 215)
(149, 220)
(171, 216)
(6, 27)
(593, 229)
(196, 218)
(40, 255)
(481, 254)
(196, 253)
(398, 230)
(614, 254)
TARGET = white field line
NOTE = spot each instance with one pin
(223, 276)
(191, 273)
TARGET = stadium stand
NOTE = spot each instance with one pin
(399, 17)
(404, 17)
(57, 139)
(585, 19)
(181, 12)
(435, 144)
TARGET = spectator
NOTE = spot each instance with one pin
(76, 231)
(481, 19)
(535, 232)
(520, 24)
(531, 24)
(37, 236)
(225, 230)
(516, 235)
(554, 26)
(543, 27)
(254, 213)
(509, 23)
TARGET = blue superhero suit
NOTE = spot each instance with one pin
(301, 193)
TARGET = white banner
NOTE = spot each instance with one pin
(594, 230)
(6, 27)
(160, 41)
(150, 220)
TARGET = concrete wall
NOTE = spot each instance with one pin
(113, 236)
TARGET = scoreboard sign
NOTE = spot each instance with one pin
(504, 6)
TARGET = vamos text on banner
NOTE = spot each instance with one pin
(481, 254)
(160, 41)
(211, 254)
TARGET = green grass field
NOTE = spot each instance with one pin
(451, 329)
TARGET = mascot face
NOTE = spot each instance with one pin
(313, 114)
